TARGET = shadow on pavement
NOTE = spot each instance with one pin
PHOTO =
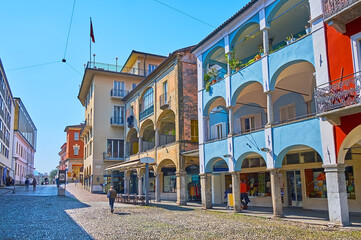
(40, 217)
(172, 207)
(121, 213)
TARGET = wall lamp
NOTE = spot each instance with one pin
(264, 149)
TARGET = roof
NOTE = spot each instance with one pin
(157, 70)
(18, 99)
(242, 10)
(73, 126)
(142, 53)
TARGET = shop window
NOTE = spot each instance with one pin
(293, 158)
(315, 183)
(350, 183)
(169, 180)
(309, 157)
(258, 184)
(193, 183)
(151, 182)
(253, 162)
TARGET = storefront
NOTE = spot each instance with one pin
(193, 183)
(118, 181)
(169, 180)
(133, 183)
(221, 182)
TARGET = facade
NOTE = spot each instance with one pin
(258, 123)
(74, 153)
(101, 93)
(62, 155)
(162, 124)
(24, 148)
(339, 100)
(7, 165)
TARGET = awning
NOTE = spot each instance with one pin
(191, 153)
(123, 165)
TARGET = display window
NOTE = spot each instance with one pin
(302, 157)
(258, 184)
(193, 183)
(350, 183)
(315, 183)
(151, 182)
(169, 180)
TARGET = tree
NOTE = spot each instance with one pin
(53, 174)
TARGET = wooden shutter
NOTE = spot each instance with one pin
(224, 130)
(258, 121)
(238, 125)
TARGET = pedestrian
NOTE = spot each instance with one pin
(57, 182)
(12, 181)
(27, 183)
(34, 184)
(244, 195)
(112, 194)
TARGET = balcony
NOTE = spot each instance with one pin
(339, 98)
(164, 101)
(118, 93)
(117, 68)
(145, 113)
(117, 121)
(338, 13)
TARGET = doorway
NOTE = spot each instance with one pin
(294, 188)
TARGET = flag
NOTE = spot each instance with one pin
(91, 31)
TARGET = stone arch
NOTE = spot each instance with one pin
(210, 104)
(352, 138)
(239, 162)
(240, 30)
(279, 158)
(211, 162)
(165, 162)
(166, 113)
(131, 132)
(241, 88)
(145, 125)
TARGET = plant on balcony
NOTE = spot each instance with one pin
(208, 86)
(290, 39)
(210, 78)
(214, 75)
(234, 64)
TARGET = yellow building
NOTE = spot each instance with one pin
(162, 123)
(101, 93)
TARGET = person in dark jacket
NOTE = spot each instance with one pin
(112, 194)
(27, 183)
(34, 184)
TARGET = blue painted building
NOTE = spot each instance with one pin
(256, 110)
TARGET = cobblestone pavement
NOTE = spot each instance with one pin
(53, 217)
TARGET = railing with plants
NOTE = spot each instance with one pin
(332, 7)
(339, 93)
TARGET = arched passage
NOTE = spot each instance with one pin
(351, 141)
(217, 126)
(215, 60)
(132, 142)
(147, 133)
(166, 127)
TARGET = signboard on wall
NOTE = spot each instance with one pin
(62, 176)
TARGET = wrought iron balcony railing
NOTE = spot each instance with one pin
(117, 121)
(118, 93)
(117, 68)
(339, 93)
(145, 113)
(332, 7)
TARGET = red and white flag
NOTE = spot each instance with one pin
(91, 31)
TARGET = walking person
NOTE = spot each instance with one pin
(112, 194)
(244, 195)
(34, 184)
(27, 183)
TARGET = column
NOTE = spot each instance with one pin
(236, 191)
(112, 178)
(206, 128)
(337, 194)
(140, 143)
(206, 190)
(230, 117)
(276, 194)
(265, 41)
(157, 187)
(156, 138)
(181, 187)
(269, 109)
(140, 184)
(126, 185)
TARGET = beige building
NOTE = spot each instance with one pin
(162, 123)
(101, 93)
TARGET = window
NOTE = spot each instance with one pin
(194, 130)
(356, 51)
(151, 68)
(169, 180)
(287, 113)
(165, 91)
(350, 183)
(218, 131)
(76, 150)
(118, 112)
(118, 89)
(76, 136)
(147, 100)
(315, 183)
(248, 123)
(133, 85)
(115, 148)
(258, 184)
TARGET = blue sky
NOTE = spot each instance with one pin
(35, 32)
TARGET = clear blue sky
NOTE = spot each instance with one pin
(35, 32)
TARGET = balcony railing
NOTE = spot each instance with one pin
(118, 93)
(148, 145)
(166, 139)
(145, 113)
(117, 68)
(338, 94)
(164, 101)
(117, 121)
(332, 7)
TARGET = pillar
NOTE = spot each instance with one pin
(337, 194)
(156, 144)
(230, 117)
(140, 184)
(265, 40)
(112, 178)
(276, 193)
(126, 185)
(181, 187)
(140, 143)
(206, 190)
(157, 187)
(206, 129)
(236, 191)
(269, 109)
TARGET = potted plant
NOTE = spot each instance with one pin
(208, 86)
(234, 64)
(308, 29)
(206, 77)
(213, 74)
(290, 39)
